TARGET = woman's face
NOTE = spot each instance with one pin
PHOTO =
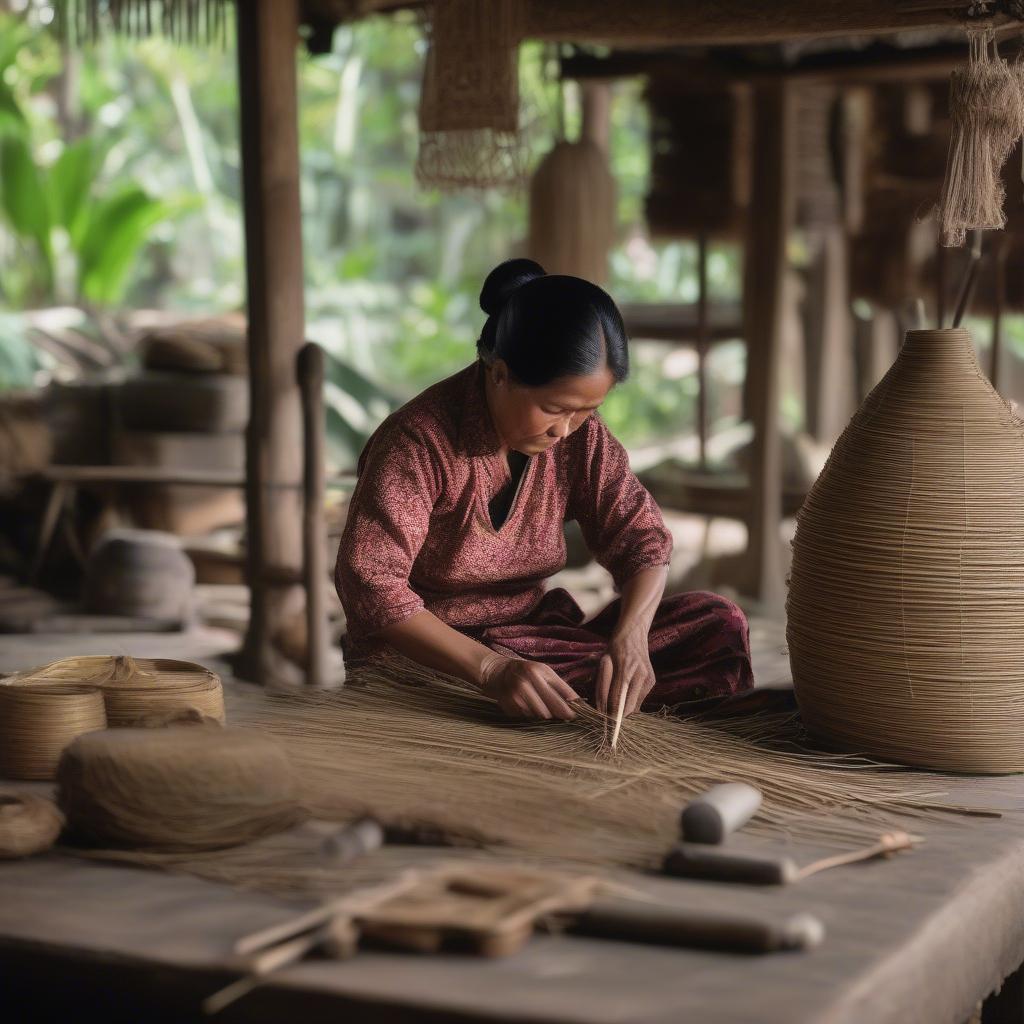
(531, 420)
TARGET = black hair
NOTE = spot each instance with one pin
(547, 326)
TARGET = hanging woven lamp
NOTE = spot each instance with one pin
(469, 100)
(907, 586)
(572, 203)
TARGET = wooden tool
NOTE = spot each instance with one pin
(633, 921)
(719, 812)
(695, 860)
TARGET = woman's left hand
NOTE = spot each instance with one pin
(626, 665)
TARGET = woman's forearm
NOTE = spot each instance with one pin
(641, 595)
(423, 637)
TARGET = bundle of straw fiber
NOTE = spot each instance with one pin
(188, 787)
(28, 825)
(38, 722)
(572, 211)
(987, 107)
(469, 102)
(421, 751)
(908, 571)
(134, 688)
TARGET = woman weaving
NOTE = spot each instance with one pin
(457, 520)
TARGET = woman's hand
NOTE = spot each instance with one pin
(526, 689)
(626, 667)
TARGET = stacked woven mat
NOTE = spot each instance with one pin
(44, 709)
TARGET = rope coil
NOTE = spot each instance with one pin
(38, 722)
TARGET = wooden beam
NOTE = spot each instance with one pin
(772, 200)
(876, 63)
(720, 22)
(267, 39)
(679, 323)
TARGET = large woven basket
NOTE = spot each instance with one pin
(906, 600)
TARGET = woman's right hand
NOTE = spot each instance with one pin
(527, 689)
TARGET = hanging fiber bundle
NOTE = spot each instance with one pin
(469, 102)
(184, 787)
(987, 110)
(905, 595)
(134, 688)
(572, 211)
(38, 722)
(28, 825)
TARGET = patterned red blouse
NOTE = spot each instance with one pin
(419, 534)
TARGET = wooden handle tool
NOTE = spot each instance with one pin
(719, 812)
(635, 921)
(696, 860)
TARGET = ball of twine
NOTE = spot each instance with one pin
(134, 688)
(179, 788)
(28, 824)
(907, 585)
(38, 722)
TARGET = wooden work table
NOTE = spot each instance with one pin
(921, 938)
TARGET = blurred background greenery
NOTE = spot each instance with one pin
(120, 189)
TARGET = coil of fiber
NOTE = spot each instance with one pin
(38, 722)
(28, 824)
(183, 787)
(907, 587)
(135, 688)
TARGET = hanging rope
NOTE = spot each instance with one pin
(987, 110)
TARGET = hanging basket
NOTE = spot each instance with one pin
(700, 158)
(572, 211)
(907, 586)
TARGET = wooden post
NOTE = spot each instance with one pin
(771, 213)
(830, 378)
(314, 532)
(999, 303)
(702, 350)
(267, 39)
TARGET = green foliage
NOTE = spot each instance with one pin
(126, 191)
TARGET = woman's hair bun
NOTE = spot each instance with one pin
(503, 280)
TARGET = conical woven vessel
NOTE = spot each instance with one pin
(906, 599)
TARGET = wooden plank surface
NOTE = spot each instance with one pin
(920, 938)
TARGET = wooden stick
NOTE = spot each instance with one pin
(262, 964)
(310, 369)
(351, 903)
(970, 280)
(891, 842)
(618, 715)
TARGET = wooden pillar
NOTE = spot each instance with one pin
(999, 304)
(771, 214)
(828, 332)
(877, 345)
(314, 527)
(267, 41)
(702, 351)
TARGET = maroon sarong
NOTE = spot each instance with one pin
(699, 645)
